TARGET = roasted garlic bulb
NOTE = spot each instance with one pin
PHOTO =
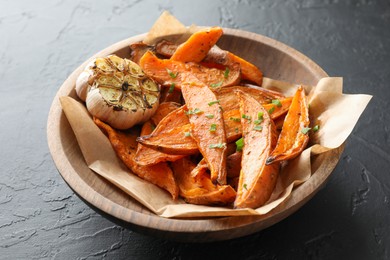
(118, 92)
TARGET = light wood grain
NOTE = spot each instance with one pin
(277, 61)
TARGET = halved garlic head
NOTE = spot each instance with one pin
(118, 92)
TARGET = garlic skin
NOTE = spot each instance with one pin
(118, 92)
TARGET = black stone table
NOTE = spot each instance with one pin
(42, 42)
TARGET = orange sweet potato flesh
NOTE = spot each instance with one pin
(218, 56)
(211, 144)
(196, 186)
(163, 110)
(149, 156)
(124, 144)
(292, 140)
(257, 180)
(174, 141)
(167, 72)
(198, 45)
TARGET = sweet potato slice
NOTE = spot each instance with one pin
(216, 55)
(149, 156)
(138, 49)
(198, 45)
(167, 72)
(209, 133)
(233, 164)
(228, 98)
(196, 186)
(257, 180)
(294, 135)
(124, 144)
(163, 110)
(177, 141)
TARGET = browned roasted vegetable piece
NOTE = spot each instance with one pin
(294, 135)
(168, 72)
(124, 144)
(163, 110)
(149, 156)
(174, 141)
(172, 135)
(196, 187)
(257, 180)
(209, 133)
(198, 45)
(233, 164)
(138, 49)
(216, 55)
(170, 94)
(228, 97)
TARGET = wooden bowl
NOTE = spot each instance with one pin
(277, 61)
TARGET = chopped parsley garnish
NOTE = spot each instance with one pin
(213, 102)
(305, 130)
(239, 144)
(316, 128)
(245, 187)
(218, 84)
(172, 74)
(210, 116)
(276, 102)
(226, 73)
(219, 145)
(194, 112)
(258, 121)
(213, 127)
(187, 134)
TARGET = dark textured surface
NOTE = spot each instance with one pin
(41, 42)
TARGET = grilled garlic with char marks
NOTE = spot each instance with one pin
(118, 92)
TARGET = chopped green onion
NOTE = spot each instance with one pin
(246, 116)
(260, 115)
(276, 102)
(235, 119)
(213, 127)
(219, 145)
(187, 134)
(305, 130)
(218, 84)
(239, 144)
(213, 102)
(210, 116)
(316, 128)
(195, 111)
(245, 187)
(226, 73)
(258, 128)
(171, 88)
(258, 121)
(172, 74)
(271, 110)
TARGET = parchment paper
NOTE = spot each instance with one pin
(335, 112)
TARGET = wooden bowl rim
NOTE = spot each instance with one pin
(143, 220)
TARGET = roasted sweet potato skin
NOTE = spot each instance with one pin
(293, 138)
(257, 180)
(209, 133)
(124, 144)
(196, 187)
(198, 45)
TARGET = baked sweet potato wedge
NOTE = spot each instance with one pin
(257, 180)
(124, 144)
(163, 110)
(196, 186)
(149, 156)
(174, 73)
(198, 45)
(208, 132)
(294, 135)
